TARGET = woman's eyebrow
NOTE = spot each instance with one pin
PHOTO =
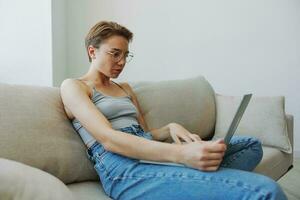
(116, 49)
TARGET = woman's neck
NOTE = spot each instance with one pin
(96, 77)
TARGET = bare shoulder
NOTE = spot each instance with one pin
(70, 90)
(73, 85)
(70, 83)
(128, 88)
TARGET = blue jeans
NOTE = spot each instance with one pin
(125, 178)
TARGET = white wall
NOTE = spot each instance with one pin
(78, 24)
(59, 41)
(25, 38)
(239, 46)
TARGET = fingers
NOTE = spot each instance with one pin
(211, 165)
(195, 137)
(186, 138)
(175, 138)
(214, 146)
(210, 169)
(204, 155)
(220, 141)
(190, 138)
(213, 156)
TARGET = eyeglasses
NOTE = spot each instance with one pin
(119, 55)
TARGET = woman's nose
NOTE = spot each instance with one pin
(122, 61)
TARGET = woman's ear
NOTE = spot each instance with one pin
(92, 52)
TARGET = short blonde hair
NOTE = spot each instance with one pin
(103, 30)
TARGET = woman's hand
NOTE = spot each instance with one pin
(198, 154)
(178, 133)
(203, 155)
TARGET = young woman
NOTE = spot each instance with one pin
(109, 120)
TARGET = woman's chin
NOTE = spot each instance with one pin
(115, 75)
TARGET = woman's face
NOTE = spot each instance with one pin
(110, 57)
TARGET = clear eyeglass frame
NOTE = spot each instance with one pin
(119, 55)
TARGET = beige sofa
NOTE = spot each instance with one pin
(42, 157)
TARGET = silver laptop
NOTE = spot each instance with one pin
(237, 118)
(232, 128)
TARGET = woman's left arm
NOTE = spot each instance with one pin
(177, 132)
(173, 130)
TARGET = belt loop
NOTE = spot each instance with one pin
(90, 157)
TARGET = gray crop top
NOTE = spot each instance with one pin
(120, 112)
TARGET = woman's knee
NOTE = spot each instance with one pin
(255, 145)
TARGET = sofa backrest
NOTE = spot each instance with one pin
(189, 102)
(34, 128)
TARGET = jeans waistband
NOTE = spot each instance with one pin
(95, 147)
(132, 128)
(137, 130)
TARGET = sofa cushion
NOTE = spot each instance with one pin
(19, 181)
(88, 191)
(275, 163)
(264, 119)
(189, 102)
(34, 130)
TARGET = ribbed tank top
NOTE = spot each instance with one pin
(119, 111)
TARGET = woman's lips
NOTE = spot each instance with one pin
(118, 70)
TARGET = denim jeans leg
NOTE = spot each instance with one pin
(243, 153)
(148, 182)
(126, 178)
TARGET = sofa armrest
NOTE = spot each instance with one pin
(290, 129)
(22, 182)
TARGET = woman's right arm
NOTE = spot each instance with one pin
(76, 99)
